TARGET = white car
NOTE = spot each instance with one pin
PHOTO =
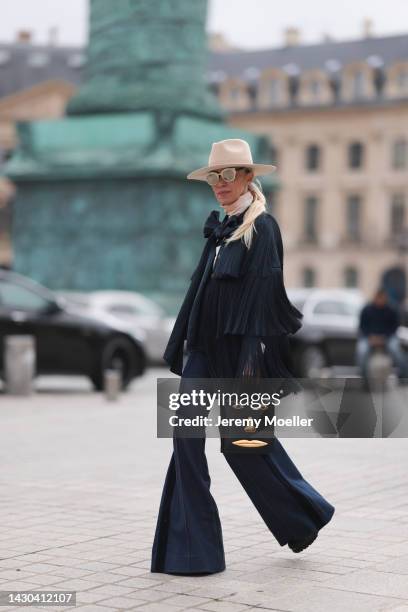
(329, 307)
(329, 329)
(135, 311)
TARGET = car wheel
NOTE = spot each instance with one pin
(311, 361)
(121, 355)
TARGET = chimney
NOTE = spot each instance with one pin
(367, 27)
(327, 38)
(53, 36)
(291, 37)
(23, 36)
(218, 43)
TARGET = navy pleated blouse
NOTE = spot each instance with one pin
(237, 310)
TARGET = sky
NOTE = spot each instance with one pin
(248, 25)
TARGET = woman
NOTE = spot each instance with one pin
(236, 318)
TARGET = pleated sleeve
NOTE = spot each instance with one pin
(254, 304)
(253, 298)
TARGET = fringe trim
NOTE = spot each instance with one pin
(268, 358)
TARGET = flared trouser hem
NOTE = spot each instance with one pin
(290, 507)
(188, 537)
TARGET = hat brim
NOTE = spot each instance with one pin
(258, 169)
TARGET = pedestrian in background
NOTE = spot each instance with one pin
(378, 324)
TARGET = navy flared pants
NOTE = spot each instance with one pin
(188, 537)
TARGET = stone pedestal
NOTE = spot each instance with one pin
(102, 197)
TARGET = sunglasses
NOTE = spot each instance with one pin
(227, 174)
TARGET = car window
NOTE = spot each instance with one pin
(353, 308)
(16, 296)
(76, 299)
(335, 307)
(123, 310)
(134, 310)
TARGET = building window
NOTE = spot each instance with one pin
(38, 59)
(76, 60)
(234, 94)
(312, 157)
(275, 86)
(402, 79)
(353, 217)
(399, 154)
(350, 277)
(308, 277)
(355, 155)
(397, 217)
(310, 219)
(357, 84)
(5, 56)
(315, 88)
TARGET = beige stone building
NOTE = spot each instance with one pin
(36, 82)
(337, 117)
(336, 113)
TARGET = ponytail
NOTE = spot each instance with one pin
(258, 206)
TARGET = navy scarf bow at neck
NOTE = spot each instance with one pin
(220, 229)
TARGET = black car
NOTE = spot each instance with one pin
(67, 341)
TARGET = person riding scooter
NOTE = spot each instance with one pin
(378, 324)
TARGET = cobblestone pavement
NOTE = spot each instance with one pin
(80, 485)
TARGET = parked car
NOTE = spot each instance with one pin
(330, 328)
(68, 341)
(135, 311)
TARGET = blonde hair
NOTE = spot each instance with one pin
(258, 206)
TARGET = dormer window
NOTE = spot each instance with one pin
(402, 79)
(396, 85)
(357, 87)
(5, 56)
(273, 89)
(38, 59)
(76, 60)
(314, 88)
(357, 82)
(252, 73)
(234, 94)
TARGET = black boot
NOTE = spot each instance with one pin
(299, 545)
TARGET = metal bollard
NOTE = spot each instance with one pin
(379, 369)
(19, 364)
(112, 384)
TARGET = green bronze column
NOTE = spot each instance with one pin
(146, 55)
(102, 200)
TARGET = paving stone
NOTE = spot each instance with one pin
(320, 599)
(119, 603)
(371, 581)
(224, 606)
(186, 600)
(85, 483)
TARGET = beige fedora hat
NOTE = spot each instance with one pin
(232, 152)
